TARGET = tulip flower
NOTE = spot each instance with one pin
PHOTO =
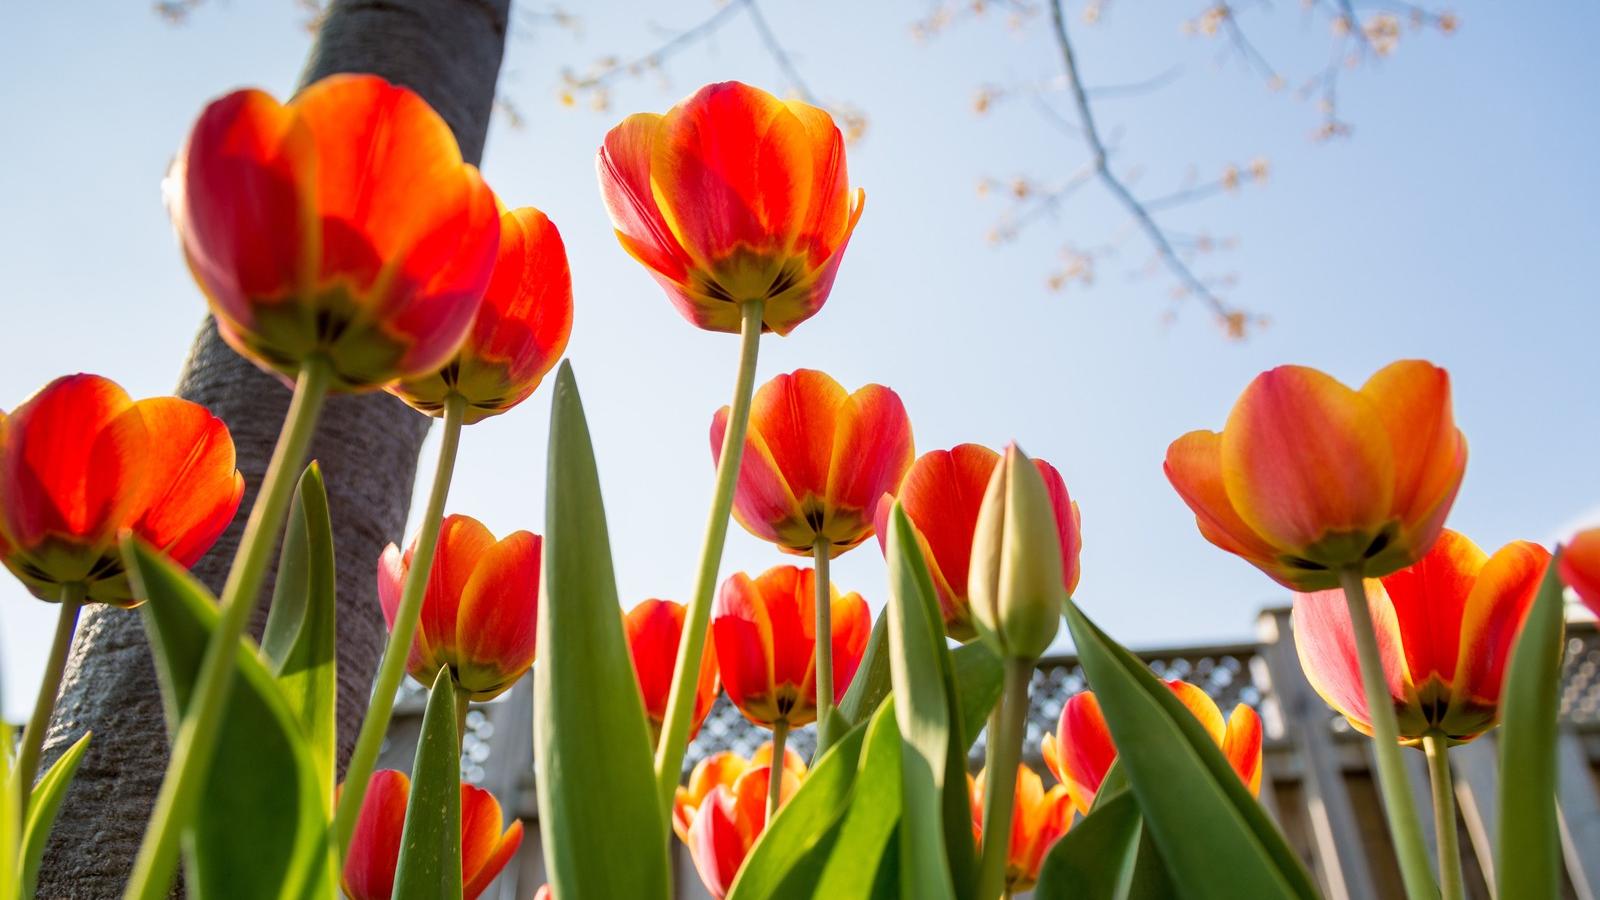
(733, 196)
(342, 226)
(521, 329)
(941, 495)
(1310, 478)
(1446, 626)
(816, 461)
(81, 462)
(653, 629)
(722, 770)
(723, 810)
(1039, 818)
(1081, 752)
(766, 644)
(1580, 567)
(369, 867)
(480, 608)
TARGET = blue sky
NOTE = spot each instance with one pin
(1456, 224)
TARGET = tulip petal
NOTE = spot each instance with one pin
(497, 617)
(1429, 598)
(1202, 706)
(942, 494)
(624, 168)
(742, 633)
(851, 621)
(828, 216)
(715, 843)
(484, 849)
(872, 450)
(1495, 610)
(1069, 523)
(1305, 459)
(1580, 567)
(1084, 748)
(1412, 399)
(1325, 640)
(190, 463)
(1242, 746)
(374, 852)
(1194, 467)
(73, 462)
(731, 170)
(462, 542)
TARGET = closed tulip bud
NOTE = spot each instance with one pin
(1015, 579)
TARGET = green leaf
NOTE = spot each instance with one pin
(920, 671)
(430, 844)
(43, 804)
(1095, 858)
(604, 833)
(802, 823)
(980, 680)
(10, 821)
(262, 830)
(1201, 816)
(873, 816)
(299, 642)
(1528, 851)
(871, 683)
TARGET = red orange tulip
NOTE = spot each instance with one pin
(764, 630)
(653, 629)
(816, 461)
(521, 329)
(1081, 751)
(1309, 477)
(81, 462)
(1446, 626)
(723, 810)
(1580, 567)
(733, 196)
(942, 494)
(341, 225)
(480, 609)
(369, 867)
(1038, 819)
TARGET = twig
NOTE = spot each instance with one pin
(779, 55)
(1136, 210)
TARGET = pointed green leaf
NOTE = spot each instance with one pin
(262, 830)
(43, 804)
(980, 680)
(803, 822)
(430, 844)
(873, 816)
(593, 762)
(920, 671)
(871, 683)
(299, 643)
(1095, 858)
(1528, 853)
(1201, 816)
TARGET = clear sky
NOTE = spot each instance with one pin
(1457, 223)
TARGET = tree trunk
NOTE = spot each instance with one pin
(449, 52)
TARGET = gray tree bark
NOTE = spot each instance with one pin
(449, 51)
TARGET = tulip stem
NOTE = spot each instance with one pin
(392, 668)
(775, 770)
(1003, 753)
(1405, 827)
(1444, 815)
(27, 766)
(691, 646)
(824, 634)
(196, 738)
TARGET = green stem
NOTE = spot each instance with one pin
(1405, 828)
(33, 738)
(196, 738)
(680, 702)
(463, 706)
(824, 603)
(1004, 754)
(1444, 815)
(392, 668)
(780, 737)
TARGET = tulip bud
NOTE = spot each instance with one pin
(1015, 579)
